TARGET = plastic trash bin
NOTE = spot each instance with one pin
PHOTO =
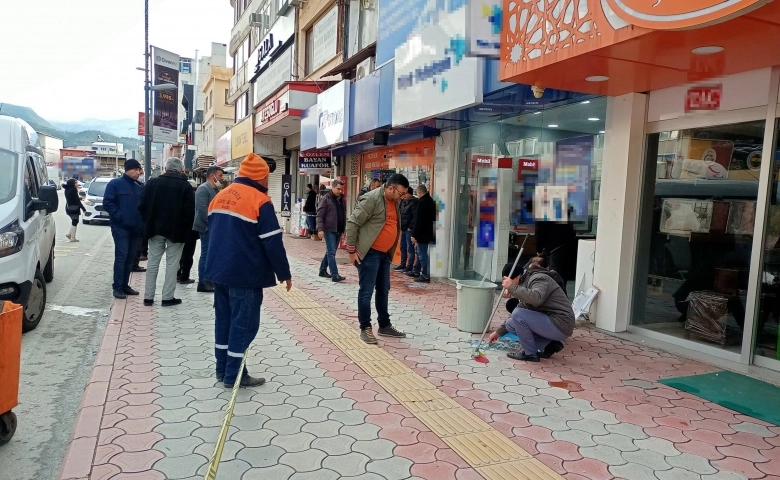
(10, 359)
(475, 304)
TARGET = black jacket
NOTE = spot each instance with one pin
(72, 200)
(408, 213)
(426, 217)
(168, 207)
(332, 214)
(311, 202)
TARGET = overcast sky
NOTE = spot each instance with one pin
(76, 59)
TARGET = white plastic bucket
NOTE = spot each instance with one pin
(475, 304)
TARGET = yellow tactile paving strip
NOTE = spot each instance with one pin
(491, 453)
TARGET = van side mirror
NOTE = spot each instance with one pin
(47, 199)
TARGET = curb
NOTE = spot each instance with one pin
(77, 464)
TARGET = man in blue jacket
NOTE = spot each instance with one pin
(121, 200)
(250, 257)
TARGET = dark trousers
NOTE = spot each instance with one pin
(329, 260)
(407, 250)
(188, 256)
(143, 249)
(311, 223)
(237, 312)
(423, 266)
(125, 249)
(374, 277)
(204, 251)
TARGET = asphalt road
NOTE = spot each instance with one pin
(57, 357)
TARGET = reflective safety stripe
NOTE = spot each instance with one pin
(221, 347)
(236, 355)
(271, 234)
(233, 214)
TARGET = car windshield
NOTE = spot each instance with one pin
(8, 163)
(97, 189)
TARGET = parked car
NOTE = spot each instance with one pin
(82, 189)
(27, 227)
(94, 201)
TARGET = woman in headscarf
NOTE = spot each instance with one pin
(73, 207)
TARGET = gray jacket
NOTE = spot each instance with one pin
(540, 292)
(203, 197)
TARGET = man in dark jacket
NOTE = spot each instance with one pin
(375, 183)
(168, 209)
(121, 201)
(408, 209)
(188, 252)
(251, 257)
(203, 197)
(310, 209)
(331, 222)
(422, 234)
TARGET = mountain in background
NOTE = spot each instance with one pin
(76, 133)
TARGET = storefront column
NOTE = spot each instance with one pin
(621, 187)
(444, 179)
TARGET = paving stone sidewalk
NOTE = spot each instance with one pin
(152, 409)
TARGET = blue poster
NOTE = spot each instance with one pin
(399, 18)
(573, 158)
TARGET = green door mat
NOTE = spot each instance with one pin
(740, 393)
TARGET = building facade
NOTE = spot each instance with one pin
(217, 113)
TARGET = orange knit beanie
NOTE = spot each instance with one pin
(253, 167)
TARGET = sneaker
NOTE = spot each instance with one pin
(324, 274)
(338, 278)
(400, 268)
(248, 381)
(205, 288)
(367, 336)
(422, 279)
(148, 303)
(130, 291)
(551, 349)
(171, 302)
(390, 331)
(119, 294)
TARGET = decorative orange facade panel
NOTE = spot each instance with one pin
(680, 14)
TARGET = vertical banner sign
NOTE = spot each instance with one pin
(286, 195)
(165, 122)
(141, 124)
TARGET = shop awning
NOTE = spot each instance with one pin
(353, 61)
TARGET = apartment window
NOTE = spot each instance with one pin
(368, 23)
(211, 99)
(184, 65)
(309, 50)
(227, 94)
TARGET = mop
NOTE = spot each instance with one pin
(478, 354)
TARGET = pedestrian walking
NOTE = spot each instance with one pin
(310, 209)
(73, 207)
(203, 197)
(373, 230)
(121, 201)
(251, 257)
(331, 223)
(408, 211)
(544, 317)
(423, 234)
(188, 251)
(168, 209)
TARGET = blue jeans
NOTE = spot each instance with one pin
(407, 250)
(329, 260)
(423, 266)
(374, 275)
(534, 329)
(125, 248)
(237, 311)
(311, 223)
(204, 251)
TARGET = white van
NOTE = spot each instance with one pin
(27, 229)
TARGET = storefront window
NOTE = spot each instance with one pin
(696, 232)
(414, 160)
(534, 179)
(767, 329)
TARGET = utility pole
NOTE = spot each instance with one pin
(147, 93)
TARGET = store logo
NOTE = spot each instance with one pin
(493, 14)
(676, 14)
(454, 55)
(164, 61)
(331, 119)
(272, 110)
(703, 98)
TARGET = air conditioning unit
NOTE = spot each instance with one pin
(259, 20)
(364, 68)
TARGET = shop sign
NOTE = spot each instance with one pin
(314, 160)
(223, 148)
(271, 45)
(529, 164)
(482, 160)
(333, 115)
(165, 114)
(379, 160)
(141, 124)
(433, 75)
(286, 195)
(273, 109)
(483, 30)
(675, 15)
(325, 39)
(278, 72)
(703, 98)
(242, 139)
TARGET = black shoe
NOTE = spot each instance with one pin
(119, 294)
(138, 269)
(422, 279)
(171, 302)
(400, 268)
(248, 381)
(205, 288)
(390, 331)
(523, 356)
(338, 278)
(186, 281)
(367, 336)
(220, 378)
(412, 274)
(324, 274)
(130, 291)
(148, 303)
(551, 349)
